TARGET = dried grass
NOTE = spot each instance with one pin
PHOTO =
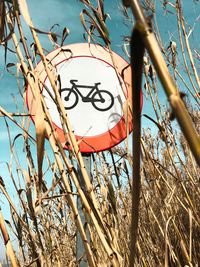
(46, 221)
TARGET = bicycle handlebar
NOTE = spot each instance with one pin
(72, 81)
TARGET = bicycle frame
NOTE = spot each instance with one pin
(86, 98)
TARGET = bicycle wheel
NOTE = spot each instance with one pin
(69, 97)
(102, 100)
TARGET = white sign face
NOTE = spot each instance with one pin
(93, 93)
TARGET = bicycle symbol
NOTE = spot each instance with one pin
(101, 100)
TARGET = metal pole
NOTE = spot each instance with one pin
(80, 250)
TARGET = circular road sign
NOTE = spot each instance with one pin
(95, 87)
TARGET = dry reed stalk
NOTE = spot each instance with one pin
(177, 104)
(22, 61)
(176, 70)
(175, 101)
(102, 237)
(70, 131)
(71, 202)
(181, 18)
(9, 248)
(183, 51)
(74, 143)
(10, 116)
(2, 21)
(166, 264)
(23, 223)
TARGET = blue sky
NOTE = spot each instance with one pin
(46, 13)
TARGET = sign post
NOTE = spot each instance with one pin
(80, 250)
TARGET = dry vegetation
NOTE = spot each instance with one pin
(46, 220)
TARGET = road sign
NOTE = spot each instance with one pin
(94, 94)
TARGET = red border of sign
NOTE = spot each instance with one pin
(113, 136)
